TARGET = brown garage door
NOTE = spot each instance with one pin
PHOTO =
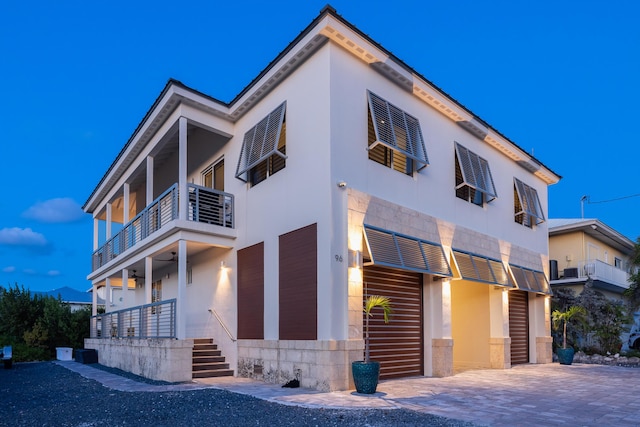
(397, 345)
(519, 326)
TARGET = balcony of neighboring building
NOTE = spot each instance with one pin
(603, 275)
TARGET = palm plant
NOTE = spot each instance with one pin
(370, 303)
(558, 317)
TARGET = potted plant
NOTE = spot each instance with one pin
(366, 372)
(577, 313)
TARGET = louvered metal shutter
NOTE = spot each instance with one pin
(519, 326)
(397, 345)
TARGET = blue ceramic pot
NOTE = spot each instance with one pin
(565, 355)
(365, 376)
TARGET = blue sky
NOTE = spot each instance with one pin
(558, 78)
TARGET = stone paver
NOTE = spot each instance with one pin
(526, 395)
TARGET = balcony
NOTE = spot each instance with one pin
(598, 271)
(205, 205)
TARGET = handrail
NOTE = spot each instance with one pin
(215, 313)
(155, 320)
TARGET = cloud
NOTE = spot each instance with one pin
(53, 273)
(60, 210)
(25, 238)
(21, 237)
(9, 269)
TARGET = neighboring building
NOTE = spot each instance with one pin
(77, 300)
(582, 249)
(338, 172)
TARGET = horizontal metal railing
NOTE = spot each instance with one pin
(210, 206)
(156, 320)
(205, 205)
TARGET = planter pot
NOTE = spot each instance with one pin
(365, 376)
(565, 356)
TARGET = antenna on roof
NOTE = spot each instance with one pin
(582, 200)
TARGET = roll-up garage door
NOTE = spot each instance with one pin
(519, 326)
(397, 345)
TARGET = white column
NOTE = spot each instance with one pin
(182, 169)
(499, 313)
(125, 287)
(107, 297)
(148, 279)
(125, 208)
(94, 299)
(96, 231)
(181, 327)
(149, 192)
(108, 231)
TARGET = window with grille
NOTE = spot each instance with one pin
(527, 207)
(156, 296)
(264, 148)
(394, 137)
(213, 176)
(474, 182)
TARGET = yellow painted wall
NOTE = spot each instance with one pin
(470, 325)
(575, 245)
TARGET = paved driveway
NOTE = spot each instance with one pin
(526, 395)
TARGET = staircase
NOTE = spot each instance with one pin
(208, 361)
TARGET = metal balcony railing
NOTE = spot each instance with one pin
(205, 205)
(156, 320)
(597, 270)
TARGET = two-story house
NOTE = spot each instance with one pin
(337, 173)
(586, 249)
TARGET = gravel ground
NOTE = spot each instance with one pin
(45, 394)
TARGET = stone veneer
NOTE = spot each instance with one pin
(500, 353)
(157, 359)
(442, 363)
(319, 365)
(544, 350)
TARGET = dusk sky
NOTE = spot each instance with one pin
(559, 78)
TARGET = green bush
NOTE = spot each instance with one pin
(35, 325)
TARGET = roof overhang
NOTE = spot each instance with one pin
(596, 229)
(328, 26)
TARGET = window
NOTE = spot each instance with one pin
(528, 210)
(213, 176)
(264, 148)
(156, 296)
(474, 182)
(395, 138)
(617, 262)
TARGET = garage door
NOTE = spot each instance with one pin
(397, 345)
(519, 326)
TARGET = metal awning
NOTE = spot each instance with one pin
(480, 268)
(261, 142)
(397, 130)
(475, 171)
(530, 280)
(397, 250)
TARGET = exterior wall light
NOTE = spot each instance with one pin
(355, 259)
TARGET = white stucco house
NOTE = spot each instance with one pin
(260, 224)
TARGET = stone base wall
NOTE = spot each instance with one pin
(500, 353)
(157, 359)
(442, 363)
(544, 350)
(319, 365)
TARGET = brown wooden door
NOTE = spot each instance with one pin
(519, 326)
(397, 345)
